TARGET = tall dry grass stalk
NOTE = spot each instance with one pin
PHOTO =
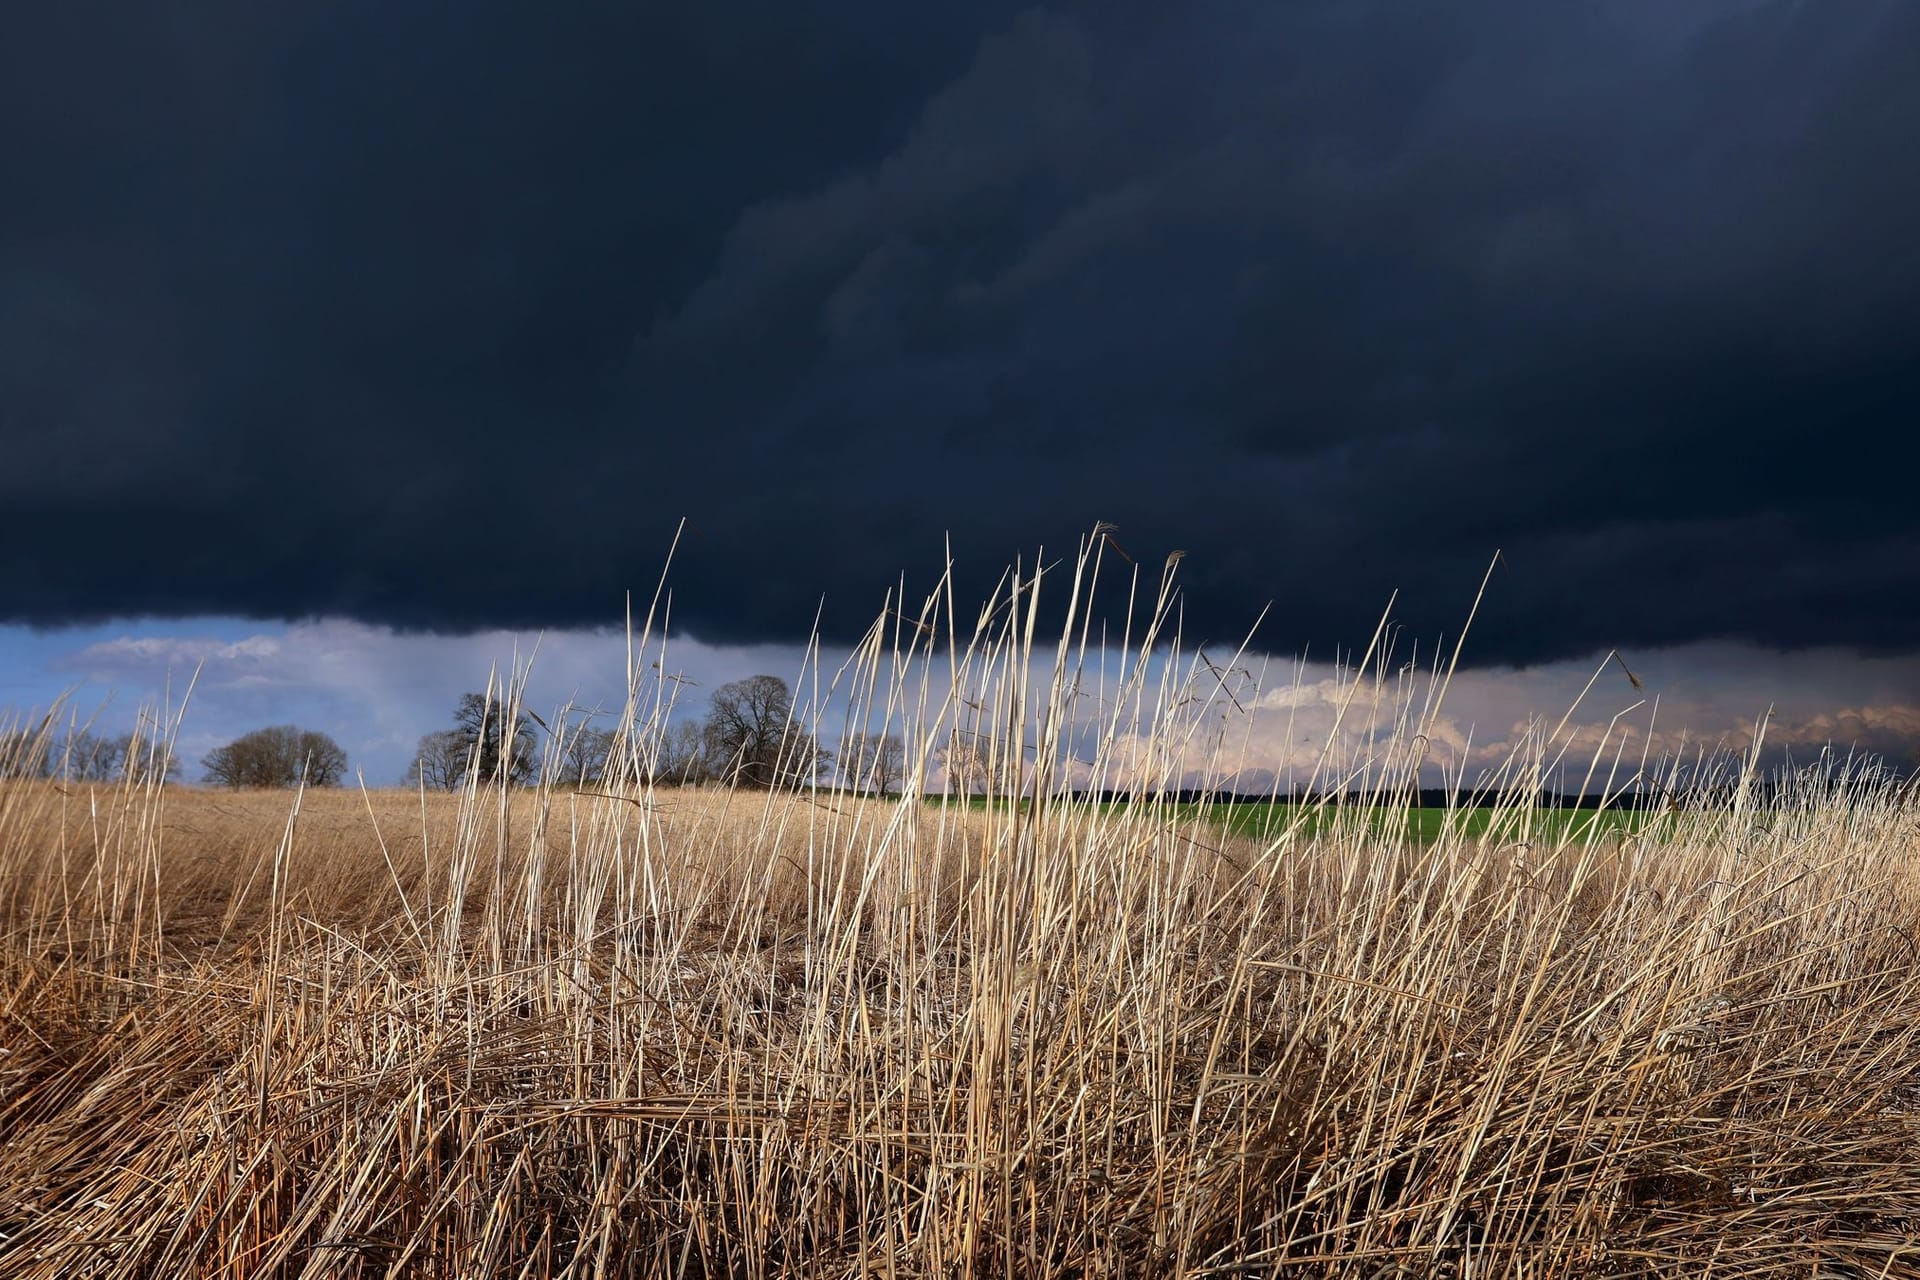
(711, 1033)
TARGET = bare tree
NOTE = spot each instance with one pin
(752, 740)
(439, 763)
(141, 755)
(874, 762)
(85, 756)
(503, 752)
(277, 757)
(584, 756)
(23, 754)
(966, 765)
(682, 756)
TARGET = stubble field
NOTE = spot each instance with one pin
(734, 1034)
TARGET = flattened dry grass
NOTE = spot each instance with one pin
(711, 1033)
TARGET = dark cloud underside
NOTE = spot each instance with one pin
(443, 315)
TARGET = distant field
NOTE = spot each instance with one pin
(1269, 821)
(1543, 826)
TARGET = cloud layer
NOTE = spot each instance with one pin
(442, 317)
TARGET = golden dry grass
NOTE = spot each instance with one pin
(702, 1033)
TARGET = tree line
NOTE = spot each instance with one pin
(749, 737)
(81, 755)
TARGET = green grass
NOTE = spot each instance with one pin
(1268, 820)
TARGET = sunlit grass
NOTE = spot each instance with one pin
(704, 1033)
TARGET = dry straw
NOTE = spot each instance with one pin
(680, 1032)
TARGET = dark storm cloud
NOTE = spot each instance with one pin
(443, 315)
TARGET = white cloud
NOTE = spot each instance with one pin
(140, 655)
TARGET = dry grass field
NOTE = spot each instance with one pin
(708, 1033)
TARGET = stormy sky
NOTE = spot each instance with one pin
(437, 319)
